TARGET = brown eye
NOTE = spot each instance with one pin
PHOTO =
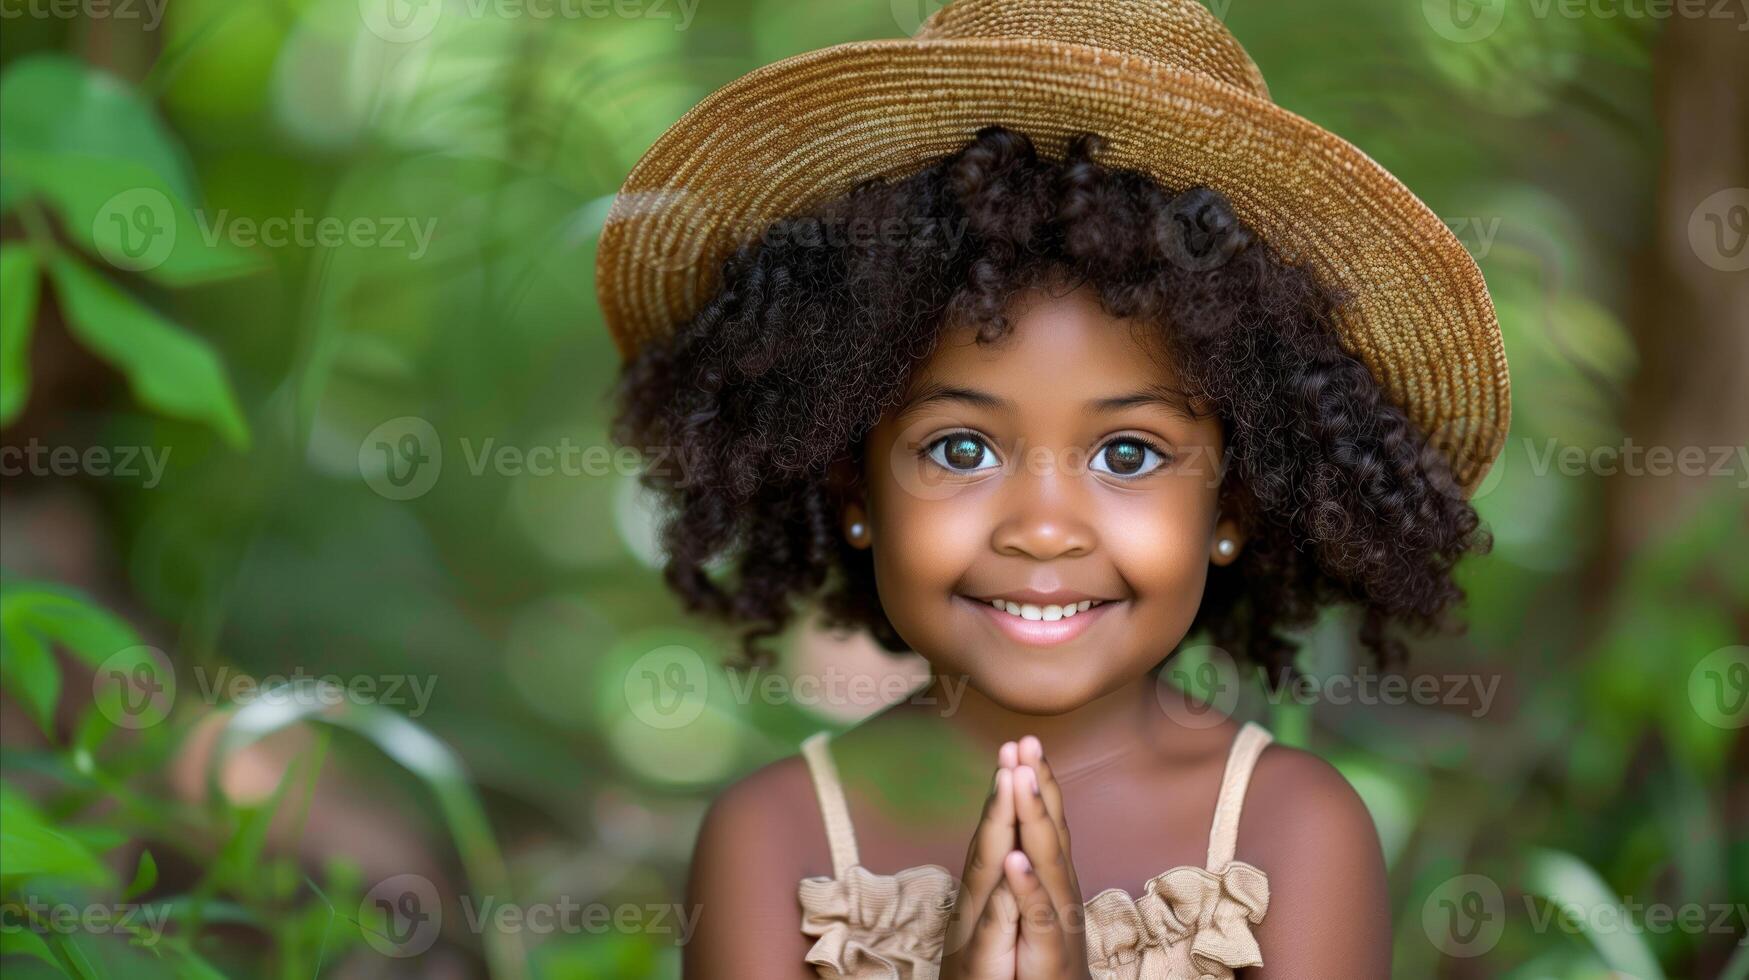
(1128, 457)
(962, 452)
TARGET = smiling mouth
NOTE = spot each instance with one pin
(1045, 612)
(1041, 624)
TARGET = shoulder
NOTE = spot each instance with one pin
(754, 846)
(1299, 805)
(763, 820)
(1311, 833)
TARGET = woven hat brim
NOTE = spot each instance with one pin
(793, 134)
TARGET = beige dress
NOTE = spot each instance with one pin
(1189, 924)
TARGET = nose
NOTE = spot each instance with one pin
(1045, 520)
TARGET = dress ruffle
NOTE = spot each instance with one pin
(1189, 924)
(875, 926)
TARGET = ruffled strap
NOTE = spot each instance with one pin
(834, 811)
(1241, 759)
(868, 925)
(1211, 909)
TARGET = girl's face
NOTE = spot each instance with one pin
(1052, 470)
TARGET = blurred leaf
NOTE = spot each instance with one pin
(420, 753)
(219, 57)
(32, 618)
(73, 947)
(29, 671)
(112, 955)
(240, 859)
(126, 215)
(93, 730)
(145, 876)
(57, 105)
(609, 955)
(1567, 880)
(92, 147)
(169, 369)
(189, 966)
(96, 838)
(181, 908)
(29, 848)
(23, 942)
(19, 285)
(62, 616)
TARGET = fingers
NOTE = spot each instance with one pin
(991, 842)
(991, 949)
(1041, 928)
(994, 837)
(1039, 802)
(1041, 839)
(1031, 752)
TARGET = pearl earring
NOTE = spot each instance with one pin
(856, 530)
(1225, 547)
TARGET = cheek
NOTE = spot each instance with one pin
(926, 533)
(1159, 545)
(923, 547)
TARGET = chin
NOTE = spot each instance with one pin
(1046, 689)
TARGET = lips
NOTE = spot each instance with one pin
(1041, 624)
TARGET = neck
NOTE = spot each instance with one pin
(1085, 737)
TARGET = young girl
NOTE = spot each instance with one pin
(1040, 418)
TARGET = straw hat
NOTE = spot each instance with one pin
(1174, 95)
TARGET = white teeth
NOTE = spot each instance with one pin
(1047, 613)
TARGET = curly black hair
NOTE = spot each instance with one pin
(814, 332)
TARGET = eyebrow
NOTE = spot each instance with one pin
(1158, 394)
(934, 391)
(1166, 396)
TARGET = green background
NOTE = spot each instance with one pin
(140, 144)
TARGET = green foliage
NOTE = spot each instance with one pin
(32, 620)
(86, 146)
(533, 769)
(18, 294)
(171, 371)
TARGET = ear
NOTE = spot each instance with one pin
(1225, 544)
(853, 511)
